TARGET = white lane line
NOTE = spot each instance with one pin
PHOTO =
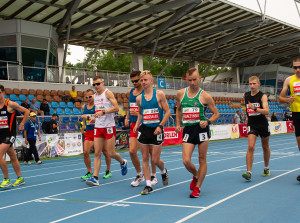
(166, 205)
(232, 196)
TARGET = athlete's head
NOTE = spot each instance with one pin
(98, 83)
(193, 78)
(296, 66)
(254, 83)
(89, 95)
(135, 78)
(2, 90)
(146, 79)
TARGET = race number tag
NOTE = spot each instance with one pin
(159, 137)
(203, 136)
(110, 131)
(191, 115)
(185, 138)
(139, 134)
(3, 122)
(248, 129)
(151, 116)
(134, 107)
(296, 86)
(95, 132)
(251, 112)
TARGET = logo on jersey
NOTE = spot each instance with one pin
(3, 112)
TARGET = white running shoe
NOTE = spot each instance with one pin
(38, 162)
(137, 181)
(25, 162)
(153, 180)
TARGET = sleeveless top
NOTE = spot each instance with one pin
(192, 110)
(152, 114)
(7, 122)
(132, 104)
(102, 103)
(90, 113)
(295, 91)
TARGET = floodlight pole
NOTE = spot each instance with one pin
(153, 50)
(66, 49)
(212, 59)
(224, 66)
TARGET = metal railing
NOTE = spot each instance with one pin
(11, 70)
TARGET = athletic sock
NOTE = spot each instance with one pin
(163, 171)
(148, 183)
(153, 174)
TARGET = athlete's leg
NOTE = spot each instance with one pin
(266, 149)
(111, 148)
(3, 149)
(153, 166)
(14, 160)
(98, 145)
(133, 148)
(155, 157)
(145, 155)
(202, 149)
(87, 146)
(250, 151)
(107, 156)
(187, 151)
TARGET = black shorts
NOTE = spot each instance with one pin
(259, 130)
(296, 122)
(7, 140)
(195, 134)
(146, 136)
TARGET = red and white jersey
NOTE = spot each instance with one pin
(102, 103)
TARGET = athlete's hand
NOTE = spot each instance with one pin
(250, 105)
(135, 129)
(126, 122)
(178, 129)
(203, 124)
(92, 120)
(157, 131)
(83, 117)
(291, 99)
(26, 141)
(133, 112)
(21, 127)
(82, 130)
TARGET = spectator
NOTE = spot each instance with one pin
(34, 107)
(26, 104)
(286, 117)
(243, 117)
(45, 107)
(73, 95)
(31, 130)
(237, 117)
(274, 118)
(53, 125)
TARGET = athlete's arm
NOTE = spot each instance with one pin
(83, 116)
(282, 97)
(139, 119)
(110, 96)
(25, 134)
(178, 110)
(165, 107)
(127, 113)
(211, 105)
(13, 106)
(265, 110)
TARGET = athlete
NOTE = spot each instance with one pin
(8, 133)
(151, 105)
(191, 112)
(257, 108)
(131, 116)
(105, 130)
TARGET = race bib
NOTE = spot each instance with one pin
(110, 131)
(134, 107)
(203, 136)
(3, 122)
(151, 116)
(251, 112)
(185, 138)
(296, 86)
(95, 132)
(159, 137)
(139, 134)
(191, 115)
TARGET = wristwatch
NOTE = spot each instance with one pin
(161, 127)
(255, 109)
(208, 122)
(103, 112)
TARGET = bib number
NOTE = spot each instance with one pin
(185, 138)
(159, 137)
(203, 136)
(110, 131)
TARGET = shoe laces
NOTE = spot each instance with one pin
(107, 172)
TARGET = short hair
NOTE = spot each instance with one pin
(254, 78)
(191, 70)
(2, 88)
(296, 59)
(96, 78)
(135, 73)
(145, 72)
(54, 115)
(89, 90)
(44, 99)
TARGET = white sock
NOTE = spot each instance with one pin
(153, 174)
(148, 183)
(140, 173)
(249, 171)
(163, 171)
(266, 167)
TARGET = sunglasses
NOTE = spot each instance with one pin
(135, 81)
(97, 84)
(89, 96)
(296, 67)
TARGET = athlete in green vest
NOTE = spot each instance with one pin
(191, 113)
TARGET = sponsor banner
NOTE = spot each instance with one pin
(220, 132)
(243, 130)
(171, 137)
(277, 127)
(122, 139)
(73, 145)
(290, 126)
(235, 134)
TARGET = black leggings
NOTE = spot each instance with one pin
(32, 150)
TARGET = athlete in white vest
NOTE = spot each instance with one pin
(104, 130)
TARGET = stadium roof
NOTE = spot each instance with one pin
(206, 31)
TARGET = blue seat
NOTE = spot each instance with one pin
(62, 104)
(73, 127)
(13, 97)
(76, 111)
(30, 97)
(51, 111)
(22, 97)
(54, 104)
(59, 111)
(70, 104)
(63, 127)
(66, 119)
(74, 119)
(68, 111)
(18, 102)
(172, 110)
(5, 96)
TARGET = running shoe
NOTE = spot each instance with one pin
(193, 183)
(27, 162)
(19, 182)
(195, 193)
(5, 183)
(298, 177)
(266, 172)
(92, 182)
(88, 175)
(153, 180)
(165, 178)
(247, 176)
(147, 190)
(38, 162)
(107, 174)
(138, 179)
(124, 168)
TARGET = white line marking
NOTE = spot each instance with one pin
(167, 205)
(232, 196)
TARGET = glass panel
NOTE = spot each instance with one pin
(8, 40)
(53, 74)
(169, 83)
(34, 42)
(33, 74)
(8, 53)
(113, 79)
(52, 59)
(34, 57)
